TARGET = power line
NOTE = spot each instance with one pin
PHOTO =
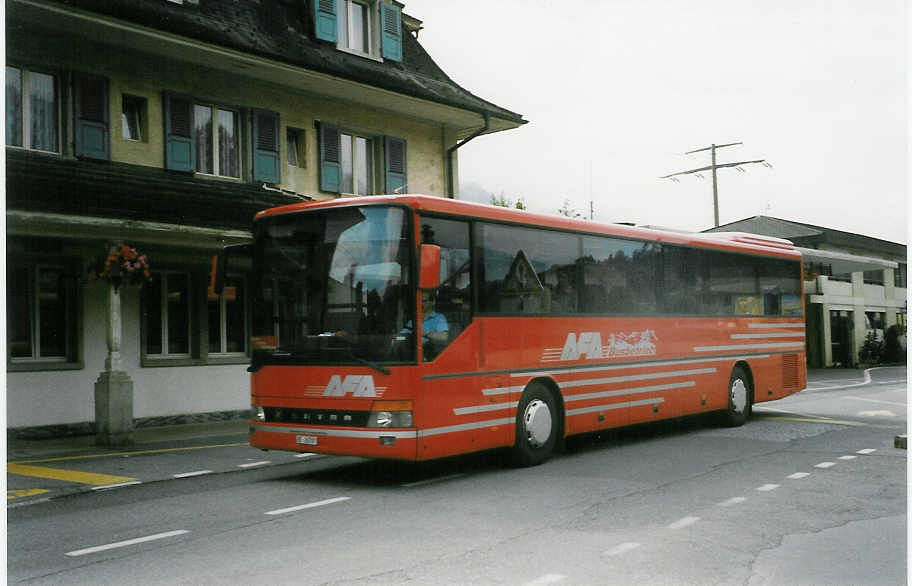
(713, 167)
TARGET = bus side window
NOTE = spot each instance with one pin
(454, 294)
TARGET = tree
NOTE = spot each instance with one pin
(568, 211)
(507, 202)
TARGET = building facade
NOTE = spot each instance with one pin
(162, 126)
(855, 286)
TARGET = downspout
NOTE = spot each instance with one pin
(451, 181)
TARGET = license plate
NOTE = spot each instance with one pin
(306, 440)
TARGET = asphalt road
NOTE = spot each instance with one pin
(810, 491)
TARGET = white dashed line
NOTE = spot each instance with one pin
(825, 465)
(126, 543)
(622, 548)
(847, 457)
(866, 451)
(252, 464)
(735, 500)
(191, 474)
(798, 475)
(118, 485)
(431, 480)
(767, 487)
(546, 579)
(305, 455)
(307, 506)
(683, 522)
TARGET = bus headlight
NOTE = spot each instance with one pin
(390, 414)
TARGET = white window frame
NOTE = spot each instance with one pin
(223, 321)
(26, 113)
(34, 310)
(165, 317)
(140, 104)
(372, 23)
(213, 144)
(370, 163)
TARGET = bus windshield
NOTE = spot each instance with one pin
(332, 287)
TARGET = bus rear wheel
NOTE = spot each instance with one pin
(740, 397)
(536, 426)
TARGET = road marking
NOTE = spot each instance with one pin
(866, 451)
(65, 475)
(305, 455)
(24, 492)
(735, 500)
(877, 413)
(432, 480)
(877, 401)
(546, 579)
(252, 464)
(191, 474)
(807, 419)
(683, 522)
(116, 485)
(126, 543)
(128, 454)
(308, 506)
(825, 465)
(622, 548)
(798, 475)
(767, 487)
(847, 457)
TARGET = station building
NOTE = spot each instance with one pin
(854, 285)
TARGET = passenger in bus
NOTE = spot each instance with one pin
(434, 326)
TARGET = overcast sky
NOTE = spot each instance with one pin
(615, 92)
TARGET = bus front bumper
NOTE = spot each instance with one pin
(398, 444)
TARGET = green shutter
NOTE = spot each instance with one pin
(325, 23)
(266, 147)
(391, 15)
(180, 154)
(90, 116)
(330, 143)
(396, 172)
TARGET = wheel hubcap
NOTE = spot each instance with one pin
(738, 396)
(537, 418)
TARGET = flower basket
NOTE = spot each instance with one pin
(121, 264)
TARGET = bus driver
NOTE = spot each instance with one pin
(434, 327)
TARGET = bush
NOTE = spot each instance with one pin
(892, 349)
(872, 349)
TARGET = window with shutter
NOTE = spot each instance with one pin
(180, 154)
(92, 140)
(330, 161)
(392, 32)
(396, 172)
(266, 146)
(325, 20)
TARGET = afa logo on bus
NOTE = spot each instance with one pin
(618, 344)
(356, 385)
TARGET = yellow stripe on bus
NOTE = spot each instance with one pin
(66, 475)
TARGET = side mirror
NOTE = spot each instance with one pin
(220, 265)
(430, 267)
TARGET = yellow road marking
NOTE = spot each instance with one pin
(18, 494)
(66, 475)
(810, 420)
(135, 453)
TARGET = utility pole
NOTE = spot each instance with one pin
(714, 166)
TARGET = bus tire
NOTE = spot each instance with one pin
(740, 398)
(536, 426)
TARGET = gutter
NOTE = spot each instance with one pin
(451, 180)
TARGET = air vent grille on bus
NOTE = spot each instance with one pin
(790, 379)
(317, 416)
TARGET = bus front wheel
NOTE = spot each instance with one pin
(740, 396)
(536, 426)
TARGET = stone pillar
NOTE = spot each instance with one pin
(114, 388)
(858, 316)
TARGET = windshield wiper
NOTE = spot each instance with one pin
(378, 367)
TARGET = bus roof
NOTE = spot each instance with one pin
(734, 241)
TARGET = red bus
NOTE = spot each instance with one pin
(412, 327)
